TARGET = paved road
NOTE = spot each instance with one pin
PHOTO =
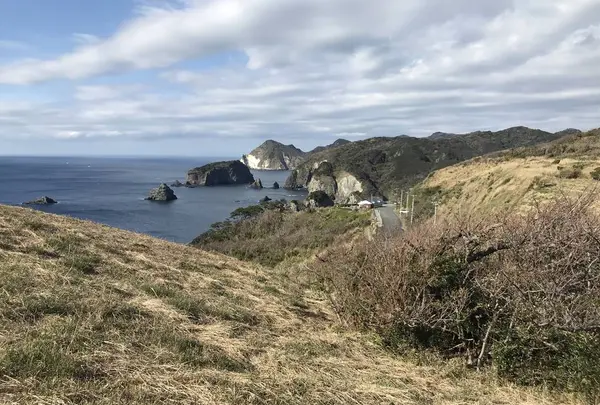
(391, 222)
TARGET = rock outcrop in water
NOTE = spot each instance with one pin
(177, 183)
(220, 173)
(257, 185)
(161, 193)
(41, 201)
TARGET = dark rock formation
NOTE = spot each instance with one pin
(266, 199)
(161, 193)
(318, 199)
(177, 183)
(257, 185)
(276, 186)
(42, 201)
(292, 181)
(220, 173)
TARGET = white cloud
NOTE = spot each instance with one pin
(99, 93)
(337, 67)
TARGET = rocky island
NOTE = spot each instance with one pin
(220, 173)
(161, 193)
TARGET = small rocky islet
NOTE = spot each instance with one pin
(257, 185)
(162, 193)
(45, 200)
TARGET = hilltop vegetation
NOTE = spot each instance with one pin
(517, 179)
(94, 315)
(384, 166)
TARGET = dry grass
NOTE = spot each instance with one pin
(94, 315)
(517, 179)
(493, 185)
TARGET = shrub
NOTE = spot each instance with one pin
(595, 173)
(520, 292)
(573, 173)
(275, 236)
(246, 212)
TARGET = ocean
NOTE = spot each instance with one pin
(112, 191)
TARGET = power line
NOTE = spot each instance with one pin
(412, 210)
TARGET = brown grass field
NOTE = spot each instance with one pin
(95, 315)
(487, 185)
(519, 179)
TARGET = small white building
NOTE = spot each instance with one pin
(365, 205)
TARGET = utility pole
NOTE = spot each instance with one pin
(401, 199)
(412, 210)
(435, 205)
(407, 197)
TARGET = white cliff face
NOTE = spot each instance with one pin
(273, 155)
(256, 163)
(323, 183)
(286, 162)
(251, 161)
(347, 184)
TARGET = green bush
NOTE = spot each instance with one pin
(595, 173)
(275, 235)
(552, 357)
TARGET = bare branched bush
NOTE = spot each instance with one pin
(519, 292)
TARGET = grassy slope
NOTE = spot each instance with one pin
(517, 179)
(90, 314)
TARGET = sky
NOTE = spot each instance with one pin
(218, 77)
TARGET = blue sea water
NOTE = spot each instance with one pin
(112, 190)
